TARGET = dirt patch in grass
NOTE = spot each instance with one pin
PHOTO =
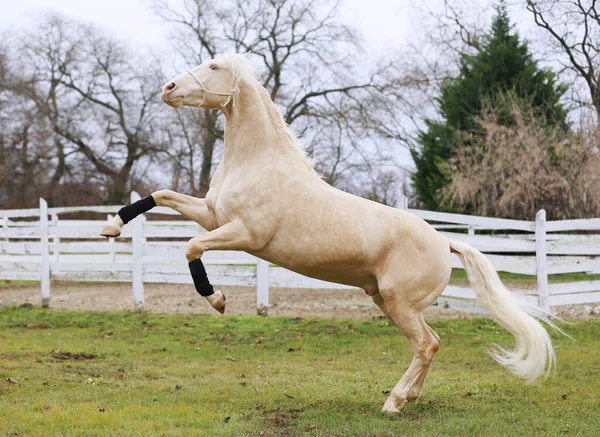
(281, 421)
(68, 356)
(31, 325)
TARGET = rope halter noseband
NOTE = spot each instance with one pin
(231, 95)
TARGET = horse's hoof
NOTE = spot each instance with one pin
(414, 399)
(218, 301)
(392, 408)
(110, 231)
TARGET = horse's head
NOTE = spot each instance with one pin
(210, 85)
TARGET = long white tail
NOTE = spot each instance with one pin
(533, 355)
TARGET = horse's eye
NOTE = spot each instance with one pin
(214, 67)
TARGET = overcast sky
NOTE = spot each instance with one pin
(382, 21)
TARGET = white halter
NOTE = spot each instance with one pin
(230, 95)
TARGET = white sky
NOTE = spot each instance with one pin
(381, 21)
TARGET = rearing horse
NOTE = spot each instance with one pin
(266, 199)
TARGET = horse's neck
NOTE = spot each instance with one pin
(254, 130)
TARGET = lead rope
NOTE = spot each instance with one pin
(231, 95)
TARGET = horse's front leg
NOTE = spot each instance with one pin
(190, 207)
(231, 236)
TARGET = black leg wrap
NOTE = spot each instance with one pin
(200, 278)
(129, 212)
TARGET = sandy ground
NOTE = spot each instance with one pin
(183, 299)
(240, 300)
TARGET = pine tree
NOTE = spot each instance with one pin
(502, 64)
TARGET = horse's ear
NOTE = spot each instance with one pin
(247, 53)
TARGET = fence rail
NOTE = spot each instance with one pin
(53, 248)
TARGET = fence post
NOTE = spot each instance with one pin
(45, 253)
(55, 242)
(540, 260)
(111, 243)
(402, 202)
(262, 287)
(137, 264)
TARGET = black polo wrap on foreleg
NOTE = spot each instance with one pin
(200, 278)
(129, 212)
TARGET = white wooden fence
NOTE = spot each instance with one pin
(36, 245)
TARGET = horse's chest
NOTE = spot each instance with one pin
(228, 202)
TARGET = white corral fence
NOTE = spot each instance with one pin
(36, 244)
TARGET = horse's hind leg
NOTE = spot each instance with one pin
(415, 391)
(190, 207)
(378, 300)
(424, 343)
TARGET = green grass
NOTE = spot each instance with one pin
(167, 375)
(515, 278)
(18, 283)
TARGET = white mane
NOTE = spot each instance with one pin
(241, 67)
(244, 71)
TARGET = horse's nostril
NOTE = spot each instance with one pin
(171, 86)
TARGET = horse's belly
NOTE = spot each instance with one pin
(344, 267)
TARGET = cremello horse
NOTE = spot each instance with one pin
(266, 199)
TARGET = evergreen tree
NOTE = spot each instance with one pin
(502, 64)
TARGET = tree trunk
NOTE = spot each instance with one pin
(595, 90)
(118, 190)
(208, 148)
(58, 173)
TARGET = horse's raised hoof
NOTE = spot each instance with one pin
(113, 227)
(110, 231)
(218, 301)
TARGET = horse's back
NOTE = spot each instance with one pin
(335, 236)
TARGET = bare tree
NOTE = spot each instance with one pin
(22, 161)
(125, 95)
(574, 27)
(448, 29)
(309, 63)
(26, 143)
(192, 145)
(99, 100)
